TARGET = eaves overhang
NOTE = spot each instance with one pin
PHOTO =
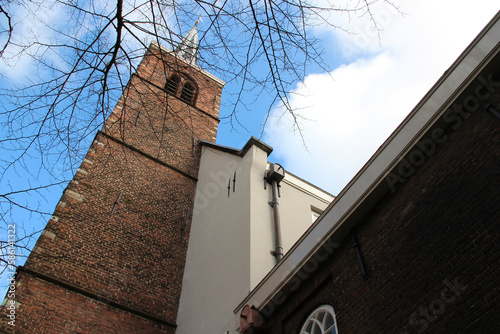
(371, 182)
(308, 188)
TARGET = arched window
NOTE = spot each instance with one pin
(172, 84)
(320, 321)
(187, 92)
(181, 87)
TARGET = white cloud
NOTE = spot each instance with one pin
(30, 23)
(47, 22)
(355, 108)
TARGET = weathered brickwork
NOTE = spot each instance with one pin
(135, 254)
(161, 124)
(111, 259)
(53, 309)
(431, 248)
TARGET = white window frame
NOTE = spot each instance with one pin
(318, 319)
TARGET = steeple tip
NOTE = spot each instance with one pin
(188, 47)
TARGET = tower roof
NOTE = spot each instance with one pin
(188, 47)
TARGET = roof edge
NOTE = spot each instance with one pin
(260, 144)
(251, 142)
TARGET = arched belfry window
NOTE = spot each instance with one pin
(320, 321)
(181, 87)
(187, 92)
(172, 84)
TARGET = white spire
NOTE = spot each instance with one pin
(188, 47)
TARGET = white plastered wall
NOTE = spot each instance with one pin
(232, 235)
(217, 271)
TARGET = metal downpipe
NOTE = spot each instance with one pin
(278, 252)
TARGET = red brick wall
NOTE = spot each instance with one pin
(431, 248)
(159, 124)
(90, 259)
(53, 309)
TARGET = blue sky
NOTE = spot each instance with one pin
(374, 83)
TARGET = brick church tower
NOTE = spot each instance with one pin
(111, 258)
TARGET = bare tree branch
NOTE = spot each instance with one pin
(80, 55)
(7, 30)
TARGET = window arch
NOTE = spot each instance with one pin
(181, 87)
(320, 321)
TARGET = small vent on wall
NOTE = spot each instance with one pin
(234, 182)
(116, 203)
(183, 227)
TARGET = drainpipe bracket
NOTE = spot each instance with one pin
(276, 253)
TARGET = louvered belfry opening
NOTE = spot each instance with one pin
(181, 87)
(172, 84)
(187, 92)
